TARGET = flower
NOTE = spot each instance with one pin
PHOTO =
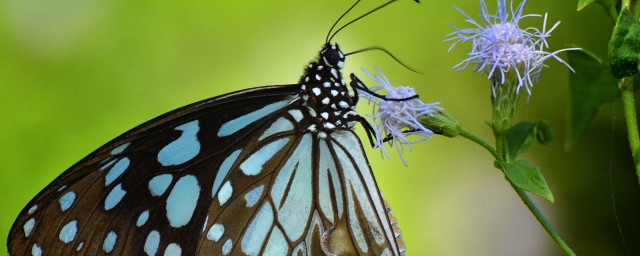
(395, 116)
(501, 49)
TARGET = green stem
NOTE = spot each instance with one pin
(480, 142)
(543, 221)
(629, 106)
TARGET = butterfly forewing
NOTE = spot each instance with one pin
(111, 187)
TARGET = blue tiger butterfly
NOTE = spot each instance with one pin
(273, 170)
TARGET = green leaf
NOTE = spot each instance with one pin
(624, 47)
(584, 3)
(522, 175)
(518, 138)
(590, 86)
(608, 5)
(544, 134)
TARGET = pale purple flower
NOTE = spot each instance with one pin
(502, 50)
(395, 121)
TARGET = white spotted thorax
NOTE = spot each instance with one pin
(326, 94)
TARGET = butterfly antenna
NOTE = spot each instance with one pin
(342, 16)
(388, 53)
(364, 15)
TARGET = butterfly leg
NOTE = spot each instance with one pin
(357, 84)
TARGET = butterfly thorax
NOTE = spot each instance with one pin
(325, 93)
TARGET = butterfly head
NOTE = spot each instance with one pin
(332, 56)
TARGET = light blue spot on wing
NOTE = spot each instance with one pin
(114, 197)
(36, 250)
(182, 201)
(142, 219)
(237, 124)
(173, 249)
(224, 169)
(109, 242)
(117, 170)
(254, 237)
(108, 164)
(184, 148)
(253, 165)
(66, 200)
(28, 227)
(226, 247)
(152, 242)
(253, 196)
(280, 125)
(68, 232)
(120, 148)
(277, 244)
(159, 184)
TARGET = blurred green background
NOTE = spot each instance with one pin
(76, 73)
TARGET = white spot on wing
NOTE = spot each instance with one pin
(182, 149)
(114, 197)
(225, 193)
(237, 124)
(182, 201)
(215, 232)
(68, 232)
(254, 237)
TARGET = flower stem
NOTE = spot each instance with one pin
(480, 142)
(629, 106)
(543, 221)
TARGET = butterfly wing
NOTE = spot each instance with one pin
(226, 175)
(108, 189)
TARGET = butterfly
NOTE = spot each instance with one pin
(273, 170)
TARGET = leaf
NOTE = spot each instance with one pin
(522, 175)
(624, 47)
(584, 3)
(518, 138)
(608, 5)
(590, 86)
(544, 134)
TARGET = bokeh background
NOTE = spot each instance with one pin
(76, 73)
